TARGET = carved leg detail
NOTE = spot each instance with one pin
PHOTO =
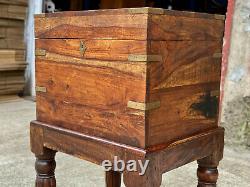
(113, 179)
(45, 167)
(207, 176)
(207, 172)
(207, 167)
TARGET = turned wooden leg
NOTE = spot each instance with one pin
(113, 179)
(207, 176)
(207, 172)
(45, 167)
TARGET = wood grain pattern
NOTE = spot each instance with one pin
(91, 74)
(86, 27)
(45, 168)
(112, 50)
(179, 28)
(202, 145)
(184, 63)
(96, 149)
(129, 25)
(176, 118)
(151, 178)
(188, 73)
(90, 148)
(113, 179)
(79, 90)
(101, 96)
(206, 147)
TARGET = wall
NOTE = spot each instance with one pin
(35, 7)
(236, 101)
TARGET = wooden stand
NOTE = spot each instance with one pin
(206, 148)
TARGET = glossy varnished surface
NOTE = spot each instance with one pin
(188, 75)
(142, 77)
(92, 98)
(207, 148)
(134, 24)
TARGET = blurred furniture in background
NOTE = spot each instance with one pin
(12, 47)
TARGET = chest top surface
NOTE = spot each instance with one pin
(130, 24)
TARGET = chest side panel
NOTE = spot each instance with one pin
(186, 83)
(90, 95)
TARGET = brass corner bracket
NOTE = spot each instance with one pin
(41, 89)
(40, 52)
(143, 106)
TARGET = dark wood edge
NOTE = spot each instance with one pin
(96, 150)
(83, 146)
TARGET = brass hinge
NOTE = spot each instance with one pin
(143, 106)
(41, 89)
(40, 52)
(144, 58)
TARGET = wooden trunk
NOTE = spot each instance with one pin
(141, 76)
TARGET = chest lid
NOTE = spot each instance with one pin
(130, 24)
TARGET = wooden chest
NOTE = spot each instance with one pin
(141, 76)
